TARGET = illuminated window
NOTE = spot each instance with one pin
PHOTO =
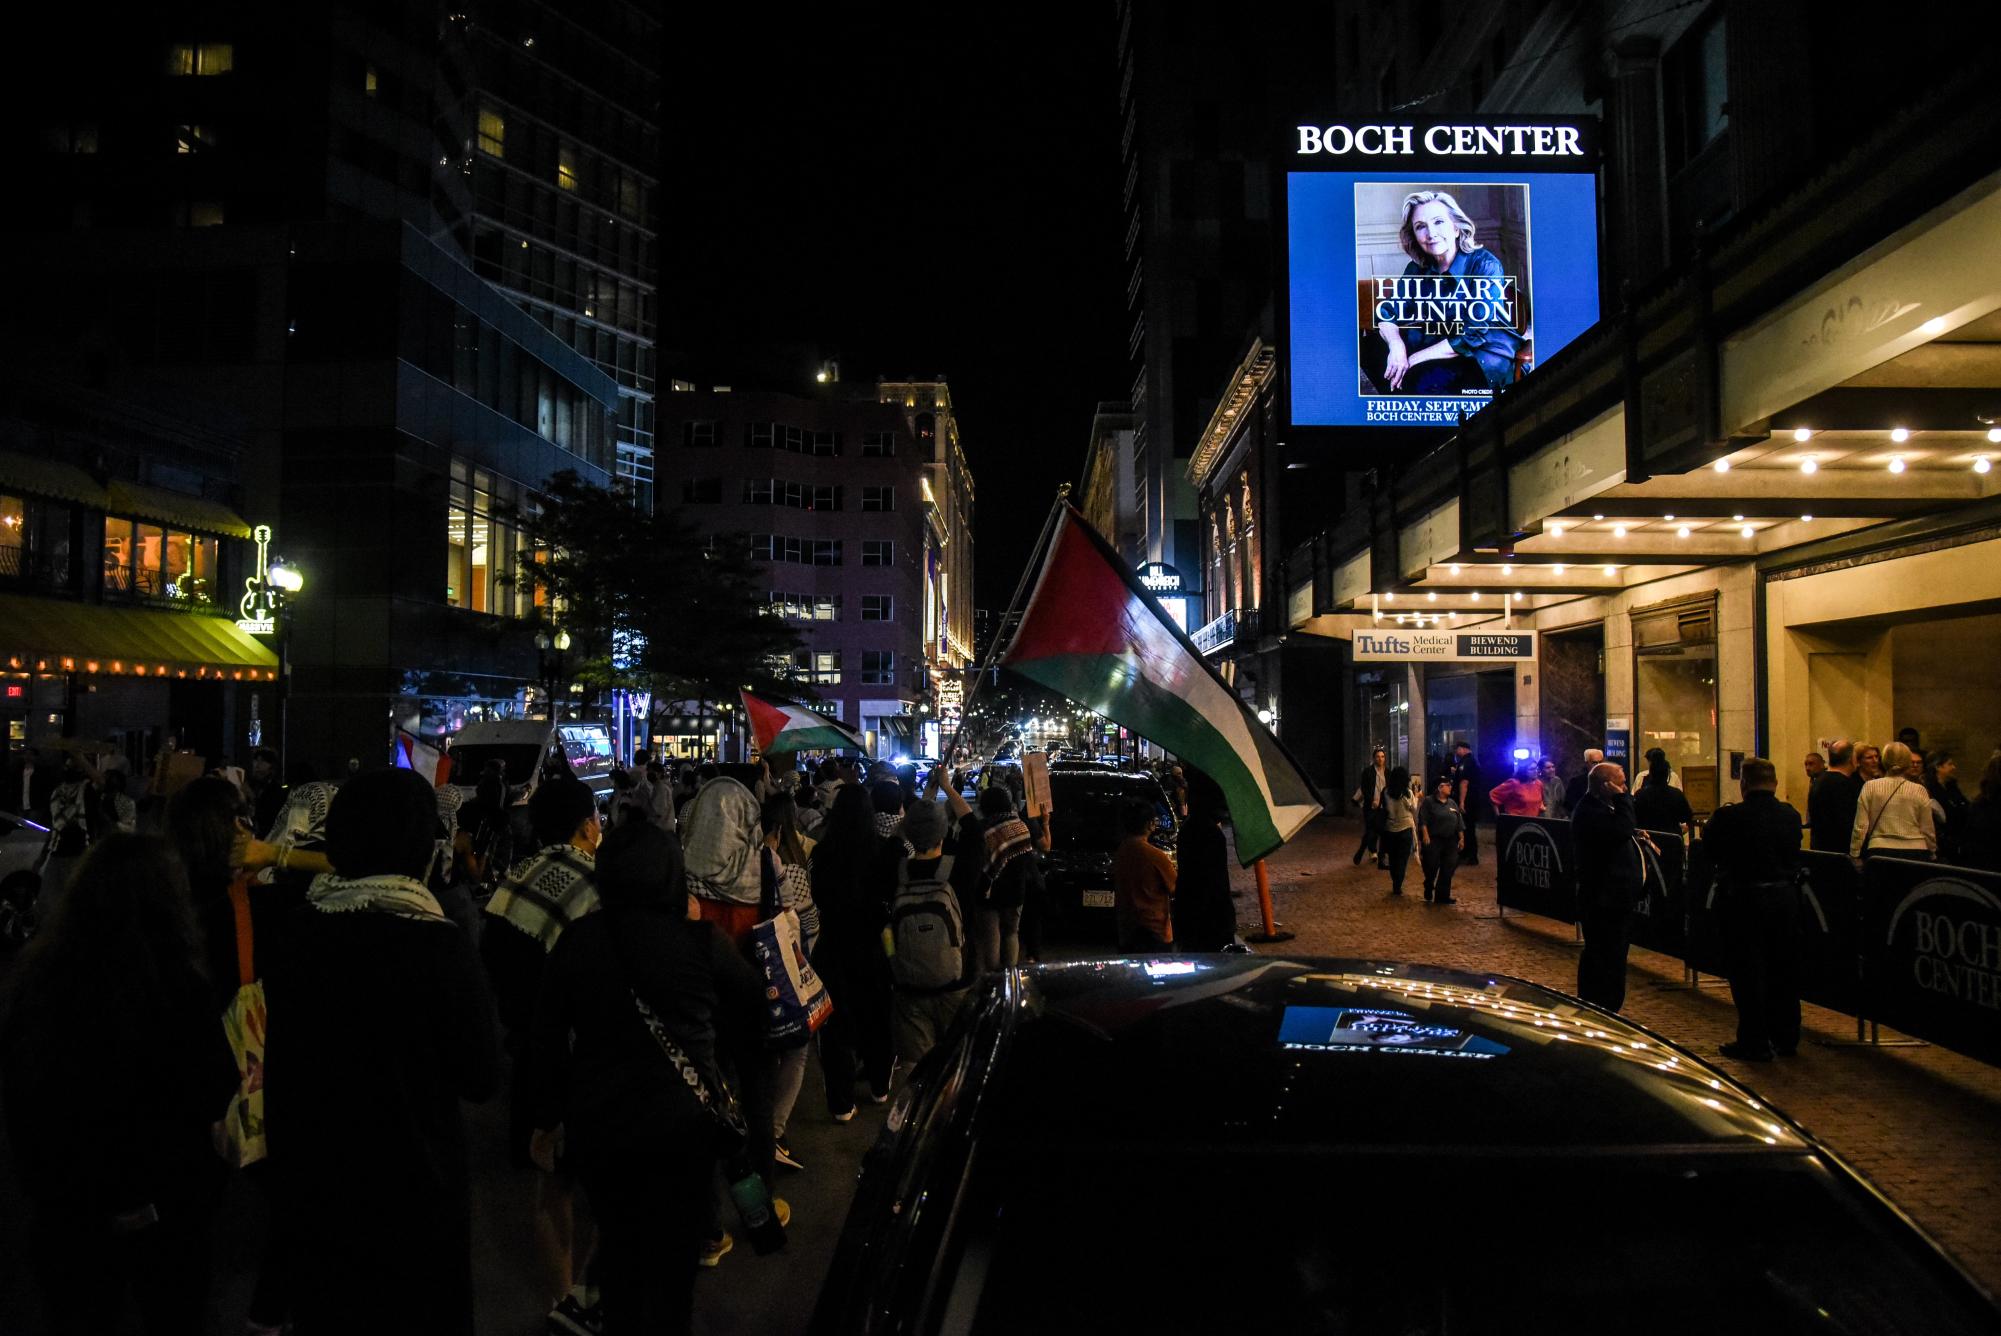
(492, 132)
(566, 167)
(200, 58)
(369, 83)
(194, 138)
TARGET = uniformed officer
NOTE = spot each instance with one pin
(1753, 847)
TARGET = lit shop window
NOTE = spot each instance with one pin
(492, 132)
(200, 58)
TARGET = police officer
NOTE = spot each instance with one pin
(1753, 848)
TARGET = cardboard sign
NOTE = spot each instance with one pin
(1035, 780)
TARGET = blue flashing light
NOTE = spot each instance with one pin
(1521, 753)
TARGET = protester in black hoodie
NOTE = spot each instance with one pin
(1204, 917)
(381, 1023)
(609, 1101)
(115, 1069)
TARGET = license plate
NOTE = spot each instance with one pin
(1095, 899)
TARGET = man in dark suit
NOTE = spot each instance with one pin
(1611, 880)
(1369, 790)
(1578, 789)
(1830, 805)
(1754, 846)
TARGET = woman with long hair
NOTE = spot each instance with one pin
(116, 1072)
(854, 870)
(1400, 825)
(1949, 805)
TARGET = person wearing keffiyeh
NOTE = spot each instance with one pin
(381, 1023)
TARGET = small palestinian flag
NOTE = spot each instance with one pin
(1094, 634)
(780, 726)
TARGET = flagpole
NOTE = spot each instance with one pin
(994, 650)
(1272, 932)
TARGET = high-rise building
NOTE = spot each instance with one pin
(566, 137)
(1197, 88)
(275, 210)
(860, 502)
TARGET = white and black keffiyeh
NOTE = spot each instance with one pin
(547, 892)
(401, 897)
(302, 822)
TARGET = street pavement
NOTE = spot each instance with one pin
(1922, 1123)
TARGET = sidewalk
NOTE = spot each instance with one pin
(1923, 1124)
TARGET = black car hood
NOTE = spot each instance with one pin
(1351, 1052)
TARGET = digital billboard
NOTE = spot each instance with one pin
(1430, 264)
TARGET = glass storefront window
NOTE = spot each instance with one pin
(13, 534)
(1383, 715)
(119, 554)
(1675, 705)
(146, 579)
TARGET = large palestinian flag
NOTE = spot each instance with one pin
(1092, 633)
(780, 726)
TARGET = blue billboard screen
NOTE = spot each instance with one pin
(1416, 293)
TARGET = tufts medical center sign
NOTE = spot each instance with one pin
(1403, 645)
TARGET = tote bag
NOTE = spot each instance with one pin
(795, 1000)
(244, 1022)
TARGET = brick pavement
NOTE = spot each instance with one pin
(1923, 1124)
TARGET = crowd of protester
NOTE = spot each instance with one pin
(304, 983)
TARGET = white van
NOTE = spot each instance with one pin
(521, 744)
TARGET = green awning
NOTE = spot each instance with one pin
(52, 478)
(176, 509)
(141, 642)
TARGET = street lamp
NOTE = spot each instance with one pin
(551, 665)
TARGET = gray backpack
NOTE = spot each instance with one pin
(927, 934)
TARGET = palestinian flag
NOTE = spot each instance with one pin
(780, 726)
(1094, 634)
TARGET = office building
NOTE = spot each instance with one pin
(274, 212)
(861, 504)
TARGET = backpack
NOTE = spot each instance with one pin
(927, 936)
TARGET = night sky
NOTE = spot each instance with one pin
(916, 192)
